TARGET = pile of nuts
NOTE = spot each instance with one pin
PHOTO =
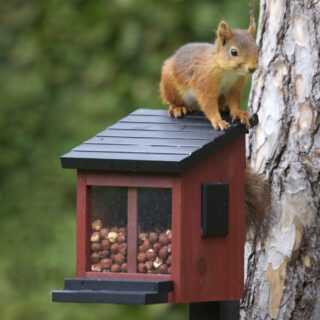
(154, 252)
(108, 248)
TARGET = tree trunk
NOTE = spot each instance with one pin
(283, 272)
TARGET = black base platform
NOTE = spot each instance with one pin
(113, 291)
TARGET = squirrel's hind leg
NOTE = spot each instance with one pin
(169, 92)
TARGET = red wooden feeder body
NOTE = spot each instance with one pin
(204, 267)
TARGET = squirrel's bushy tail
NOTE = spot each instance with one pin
(258, 207)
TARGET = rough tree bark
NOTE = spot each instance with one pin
(283, 272)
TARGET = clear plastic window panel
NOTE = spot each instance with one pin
(108, 238)
(154, 231)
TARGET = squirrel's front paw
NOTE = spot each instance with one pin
(220, 124)
(243, 116)
(177, 112)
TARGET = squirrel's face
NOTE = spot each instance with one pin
(237, 49)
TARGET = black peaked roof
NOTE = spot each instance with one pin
(151, 141)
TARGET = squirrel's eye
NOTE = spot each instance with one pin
(234, 52)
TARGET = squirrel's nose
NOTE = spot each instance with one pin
(252, 70)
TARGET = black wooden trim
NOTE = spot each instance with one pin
(136, 165)
(104, 296)
(118, 284)
(215, 209)
(114, 291)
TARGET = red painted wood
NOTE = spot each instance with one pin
(129, 179)
(132, 230)
(133, 181)
(211, 269)
(110, 275)
(83, 226)
(176, 238)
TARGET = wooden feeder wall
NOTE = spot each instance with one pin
(202, 202)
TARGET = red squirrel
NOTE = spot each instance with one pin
(210, 77)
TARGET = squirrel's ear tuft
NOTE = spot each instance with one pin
(224, 32)
(252, 27)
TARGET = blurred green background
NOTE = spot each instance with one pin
(69, 69)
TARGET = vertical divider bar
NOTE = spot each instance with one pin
(132, 230)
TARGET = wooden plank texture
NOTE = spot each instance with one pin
(135, 149)
(181, 142)
(126, 156)
(163, 119)
(174, 126)
(218, 261)
(210, 134)
(149, 140)
(160, 112)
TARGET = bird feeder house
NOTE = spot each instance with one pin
(160, 212)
